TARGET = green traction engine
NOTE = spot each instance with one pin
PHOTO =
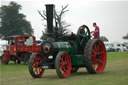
(67, 53)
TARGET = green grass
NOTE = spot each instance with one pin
(115, 73)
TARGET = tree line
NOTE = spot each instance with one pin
(13, 22)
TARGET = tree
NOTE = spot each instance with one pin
(104, 39)
(13, 22)
(126, 36)
(58, 16)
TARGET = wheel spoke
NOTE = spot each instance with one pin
(36, 58)
(95, 48)
(61, 59)
(93, 52)
(93, 58)
(61, 65)
(64, 69)
(65, 58)
(94, 61)
(100, 57)
(99, 61)
(98, 48)
(101, 53)
(35, 70)
(41, 60)
(68, 62)
(94, 66)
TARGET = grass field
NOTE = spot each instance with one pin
(115, 73)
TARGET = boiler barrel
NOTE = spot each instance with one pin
(67, 47)
(49, 48)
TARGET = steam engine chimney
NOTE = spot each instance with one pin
(49, 13)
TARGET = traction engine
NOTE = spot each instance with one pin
(67, 53)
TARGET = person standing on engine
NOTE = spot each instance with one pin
(96, 32)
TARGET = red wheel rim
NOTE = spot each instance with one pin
(4, 59)
(65, 65)
(36, 66)
(98, 56)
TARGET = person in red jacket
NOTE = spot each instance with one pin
(96, 32)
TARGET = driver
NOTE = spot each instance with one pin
(96, 32)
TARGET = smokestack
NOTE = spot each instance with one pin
(49, 13)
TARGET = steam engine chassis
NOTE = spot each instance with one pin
(17, 50)
(67, 54)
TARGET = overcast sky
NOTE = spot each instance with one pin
(110, 16)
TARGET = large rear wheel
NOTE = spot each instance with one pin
(34, 65)
(63, 64)
(95, 56)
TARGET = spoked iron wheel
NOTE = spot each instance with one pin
(95, 56)
(63, 64)
(74, 69)
(34, 65)
(4, 59)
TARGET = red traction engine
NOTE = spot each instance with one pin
(19, 49)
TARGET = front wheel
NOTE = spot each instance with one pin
(34, 65)
(4, 59)
(63, 64)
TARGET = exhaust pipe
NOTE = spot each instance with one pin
(49, 14)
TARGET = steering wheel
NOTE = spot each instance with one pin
(83, 35)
